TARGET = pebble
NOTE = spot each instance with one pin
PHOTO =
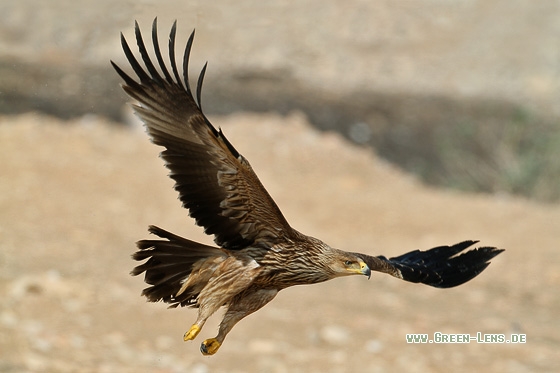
(334, 334)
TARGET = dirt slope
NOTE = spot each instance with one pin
(74, 197)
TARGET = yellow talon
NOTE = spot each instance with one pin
(210, 346)
(192, 333)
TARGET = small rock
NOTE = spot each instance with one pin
(8, 319)
(334, 334)
(374, 346)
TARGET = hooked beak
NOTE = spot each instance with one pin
(365, 269)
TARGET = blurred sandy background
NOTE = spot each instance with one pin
(357, 116)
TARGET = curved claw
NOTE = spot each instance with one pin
(210, 346)
(192, 333)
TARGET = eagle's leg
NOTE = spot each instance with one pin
(227, 282)
(205, 310)
(241, 305)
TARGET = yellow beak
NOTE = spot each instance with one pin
(364, 269)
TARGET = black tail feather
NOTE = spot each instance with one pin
(441, 266)
(169, 263)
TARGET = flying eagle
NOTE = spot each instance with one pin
(258, 252)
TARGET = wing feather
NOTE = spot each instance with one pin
(215, 183)
(440, 267)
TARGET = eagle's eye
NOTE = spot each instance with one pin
(348, 263)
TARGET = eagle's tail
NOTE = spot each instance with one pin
(169, 264)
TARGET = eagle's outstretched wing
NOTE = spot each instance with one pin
(215, 183)
(440, 267)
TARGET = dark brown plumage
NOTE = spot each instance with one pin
(259, 253)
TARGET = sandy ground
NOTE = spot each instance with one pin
(75, 196)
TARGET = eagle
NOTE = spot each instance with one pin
(257, 252)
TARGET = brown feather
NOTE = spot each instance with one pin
(215, 183)
(171, 262)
